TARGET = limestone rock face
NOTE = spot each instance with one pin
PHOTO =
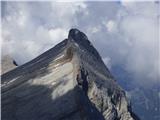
(68, 82)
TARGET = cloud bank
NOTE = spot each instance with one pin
(125, 33)
(30, 28)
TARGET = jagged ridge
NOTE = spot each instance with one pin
(70, 81)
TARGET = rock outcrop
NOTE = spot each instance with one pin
(68, 82)
(7, 64)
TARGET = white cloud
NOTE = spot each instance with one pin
(35, 27)
(94, 29)
(55, 33)
(111, 26)
(142, 31)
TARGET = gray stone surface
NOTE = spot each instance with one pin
(7, 64)
(68, 82)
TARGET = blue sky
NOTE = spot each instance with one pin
(124, 33)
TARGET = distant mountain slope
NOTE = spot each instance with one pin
(68, 82)
(145, 100)
(7, 64)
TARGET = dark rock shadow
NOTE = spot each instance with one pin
(37, 102)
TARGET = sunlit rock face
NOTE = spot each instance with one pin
(68, 82)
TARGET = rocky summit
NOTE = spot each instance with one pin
(68, 82)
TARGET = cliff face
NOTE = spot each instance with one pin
(68, 82)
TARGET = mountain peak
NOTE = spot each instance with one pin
(76, 34)
(78, 37)
(68, 82)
